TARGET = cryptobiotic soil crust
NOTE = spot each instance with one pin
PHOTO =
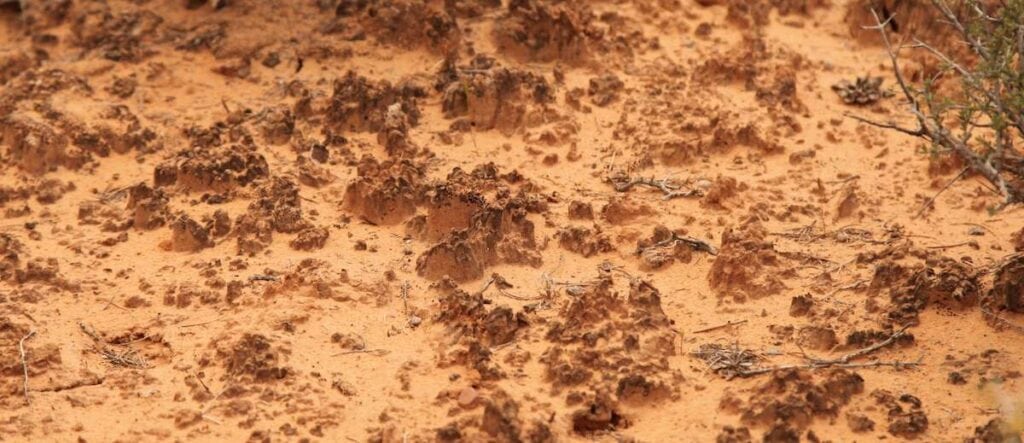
(489, 221)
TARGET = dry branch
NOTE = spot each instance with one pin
(24, 362)
(733, 361)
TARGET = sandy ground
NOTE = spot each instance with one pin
(407, 221)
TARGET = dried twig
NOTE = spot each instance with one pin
(192, 325)
(1003, 321)
(374, 352)
(721, 326)
(695, 243)
(733, 361)
(931, 200)
(728, 361)
(91, 380)
(812, 366)
(503, 286)
(128, 358)
(207, 388)
(802, 234)
(405, 298)
(970, 243)
(24, 362)
(623, 183)
(262, 277)
(865, 351)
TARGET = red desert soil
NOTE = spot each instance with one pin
(487, 220)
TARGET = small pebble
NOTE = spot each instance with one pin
(468, 397)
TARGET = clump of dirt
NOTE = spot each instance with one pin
(148, 207)
(500, 421)
(252, 358)
(584, 241)
(770, 73)
(384, 193)
(187, 235)
(610, 328)
(115, 35)
(277, 207)
(789, 401)
(604, 90)
(996, 430)
(10, 248)
(212, 167)
(624, 210)
(1018, 240)
(941, 282)
(142, 141)
(484, 95)
(35, 145)
(747, 266)
(1008, 287)
(501, 232)
(451, 204)
(536, 30)
(403, 23)
(468, 315)
(905, 416)
(359, 104)
(309, 239)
